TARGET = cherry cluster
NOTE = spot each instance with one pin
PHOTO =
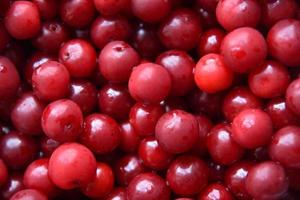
(150, 99)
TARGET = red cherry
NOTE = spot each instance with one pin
(213, 191)
(29, 194)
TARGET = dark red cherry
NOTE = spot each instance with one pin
(130, 139)
(13, 185)
(215, 191)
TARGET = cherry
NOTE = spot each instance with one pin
(266, 180)
(252, 128)
(180, 67)
(84, 94)
(64, 169)
(286, 33)
(26, 114)
(111, 7)
(210, 41)
(117, 194)
(9, 78)
(208, 18)
(274, 11)
(127, 168)
(79, 57)
(112, 55)
(106, 29)
(36, 177)
(51, 81)
(29, 194)
(102, 184)
(235, 178)
(180, 30)
(221, 146)
(47, 8)
(77, 13)
(232, 14)
(243, 49)
(281, 114)
(22, 20)
(48, 145)
(293, 96)
(215, 191)
(3, 173)
(13, 185)
(129, 138)
(187, 175)
(51, 36)
(284, 146)
(62, 120)
(269, 80)
(144, 9)
(177, 137)
(212, 75)
(152, 154)
(150, 83)
(208, 4)
(148, 186)
(101, 133)
(17, 150)
(237, 100)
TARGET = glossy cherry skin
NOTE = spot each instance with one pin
(152, 155)
(149, 83)
(51, 81)
(146, 41)
(210, 41)
(13, 185)
(84, 94)
(215, 191)
(101, 133)
(143, 117)
(237, 100)
(293, 96)
(129, 138)
(4, 37)
(31, 194)
(35, 61)
(48, 8)
(212, 75)
(187, 175)
(235, 178)
(266, 180)
(66, 171)
(17, 150)
(117, 194)
(243, 49)
(106, 29)
(232, 14)
(48, 145)
(36, 177)
(180, 67)
(79, 57)
(177, 137)
(180, 30)
(284, 146)
(112, 7)
(221, 146)
(148, 186)
(3, 173)
(252, 128)
(144, 9)
(126, 168)
(22, 20)
(51, 36)
(102, 183)
(77, 13)
(269, 80)
(62, 120)
(281, 114)
(112, 55)
(26, 114)
(285, 33)
(274, 11)
(9, 78)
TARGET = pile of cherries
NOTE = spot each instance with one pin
(150, 99)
